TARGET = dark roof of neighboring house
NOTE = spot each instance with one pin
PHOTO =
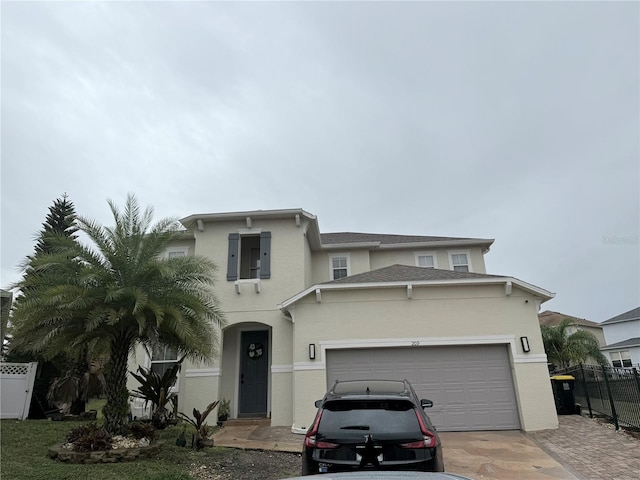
(633, 314)
(551, 319)
(403, 273)
(630, 342)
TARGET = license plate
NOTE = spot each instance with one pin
(359, 457)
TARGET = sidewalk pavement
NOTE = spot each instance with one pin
(580, 449)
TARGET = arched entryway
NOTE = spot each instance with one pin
(246, 369)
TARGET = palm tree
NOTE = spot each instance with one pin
(564, 349)
(118, 293)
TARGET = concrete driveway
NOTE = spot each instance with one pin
(580, 449)
(504, 455)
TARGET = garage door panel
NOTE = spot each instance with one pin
(471, 386)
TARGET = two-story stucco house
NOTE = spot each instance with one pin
(305, 308)
(622, 334)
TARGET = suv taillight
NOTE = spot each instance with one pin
(310, 437)
(428, 437)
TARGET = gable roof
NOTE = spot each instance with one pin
(551, 319)
(630, 342)
(631, 315)
(406, 273)
(332, 241)
(409, 276)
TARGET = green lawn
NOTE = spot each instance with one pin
(24, 446)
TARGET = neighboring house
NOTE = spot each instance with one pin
(305, 308)
(551, 319)
(622, 334)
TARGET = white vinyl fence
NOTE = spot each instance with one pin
(16, 387)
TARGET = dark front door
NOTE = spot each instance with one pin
(254, 367)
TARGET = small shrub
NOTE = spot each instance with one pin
(140, 430)
(89, 438)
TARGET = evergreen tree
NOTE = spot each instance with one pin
(60, 221)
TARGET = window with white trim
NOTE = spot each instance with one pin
(163, 358)
(621, 358)
(339, 266)
(460, 261)
(174, 252)
(426, 259)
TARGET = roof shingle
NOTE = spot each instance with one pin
(633, 314)
(551, 319)
(385, 239)
(403, 273)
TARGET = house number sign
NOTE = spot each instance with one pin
(255, 350)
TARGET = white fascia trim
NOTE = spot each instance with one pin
(541, 292)
(202, 372)
(416, 342)
(213, 217)
(281, 368)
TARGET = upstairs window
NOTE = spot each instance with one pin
(339, 266)
(621, 359)
(426, 259)
(460, 261)
(249, 256)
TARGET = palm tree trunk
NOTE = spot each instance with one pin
(116, 409)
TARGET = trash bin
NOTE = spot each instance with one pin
(563, 386)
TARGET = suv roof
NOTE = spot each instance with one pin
(369, 387)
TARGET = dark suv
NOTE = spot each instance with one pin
(371, 424)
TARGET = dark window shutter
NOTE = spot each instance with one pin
(265, 255)
(232, 261)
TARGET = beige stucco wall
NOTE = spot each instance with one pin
(384, 258)
(433, 316)
(362, 260)
(358, 262)
(597, 332)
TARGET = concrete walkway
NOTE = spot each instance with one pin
(580, 449)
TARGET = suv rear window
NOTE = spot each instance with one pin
(347, 417)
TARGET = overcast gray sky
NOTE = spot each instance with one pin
(514, 121)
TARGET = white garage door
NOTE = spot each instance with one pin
(471, 386)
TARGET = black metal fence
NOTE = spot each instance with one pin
(609, 391)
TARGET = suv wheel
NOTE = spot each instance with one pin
(309, 467)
